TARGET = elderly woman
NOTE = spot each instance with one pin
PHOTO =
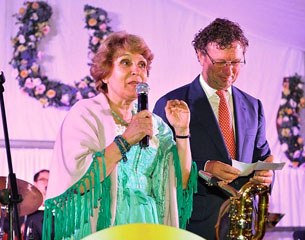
(100, 175)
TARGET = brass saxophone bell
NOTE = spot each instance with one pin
(243, 215)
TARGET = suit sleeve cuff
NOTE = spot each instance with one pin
(204, 168)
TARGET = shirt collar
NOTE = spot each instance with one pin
(208, 90)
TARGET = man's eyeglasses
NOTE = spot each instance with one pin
(221, 64)
(42, 180)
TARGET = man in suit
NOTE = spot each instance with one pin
(220, 49)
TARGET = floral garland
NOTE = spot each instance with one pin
(288, 120)
(34, 20)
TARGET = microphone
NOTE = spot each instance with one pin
(142, 91)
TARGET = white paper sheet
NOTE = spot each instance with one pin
(248, 168)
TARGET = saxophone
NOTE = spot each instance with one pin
(242, 217)
(238, 218)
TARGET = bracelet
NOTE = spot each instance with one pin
(183, 136)
(123, 146)
(127, 146)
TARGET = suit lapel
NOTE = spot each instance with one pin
(240, 112)
(202, 114)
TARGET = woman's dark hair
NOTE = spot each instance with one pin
(115, 43)
(221, 31)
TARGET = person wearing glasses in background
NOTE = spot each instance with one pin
(34, 221)
(220, 49)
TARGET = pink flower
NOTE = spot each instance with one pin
(40, 89)
(79, 96)
(35, 5)
(95, 40)
(46, 30)
(82, 85)
(103, 27)
(29, 83)
(279, 121)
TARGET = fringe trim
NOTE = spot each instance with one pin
(66, 214)
(69, 212)
(185, 196)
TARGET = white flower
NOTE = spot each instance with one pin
(65, 99)
(292, 103)
(32, 38)
(284, 147)
(36, 81)
(91, 32)
(296, 154)
(91, 94)
(21, 39)
(34, 16)
(283, 101)
(295, 131)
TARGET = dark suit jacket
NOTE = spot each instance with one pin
(207, 144)
(35, 222)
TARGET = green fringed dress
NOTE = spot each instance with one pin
(145, 189)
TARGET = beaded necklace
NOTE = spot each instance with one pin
(117, 117)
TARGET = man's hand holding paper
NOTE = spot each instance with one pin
(264, 176)
(222, 170)
(263, 170)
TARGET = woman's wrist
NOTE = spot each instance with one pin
(182, 133)
(182, 136)
(123, 146)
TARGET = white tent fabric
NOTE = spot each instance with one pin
(274, 20)
(276, 50)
